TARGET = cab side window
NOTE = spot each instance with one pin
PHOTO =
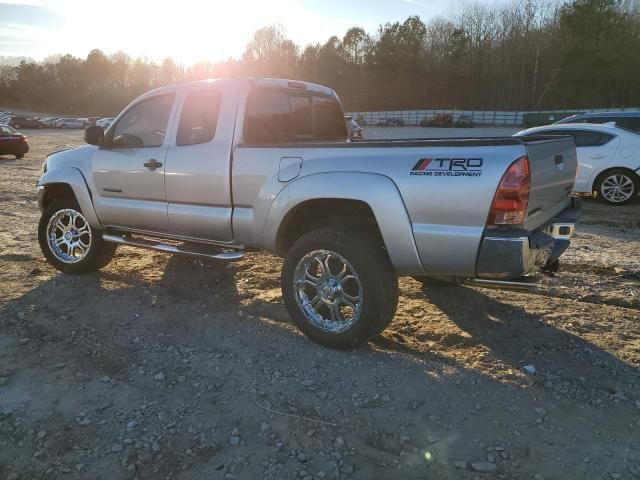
(199, 117)
(302, 116)
(276, 116)
(145, 124)
(268, 118)
(330, 122)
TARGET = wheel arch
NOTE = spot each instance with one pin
(607, 170)
(317, 213)
(63, 182)
(366, 199)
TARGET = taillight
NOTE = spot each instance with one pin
(510, 201)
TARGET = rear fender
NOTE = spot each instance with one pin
(378, 191)
(72, 177)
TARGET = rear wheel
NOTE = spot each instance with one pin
(68, 242)
(618, 186)
(339, 287)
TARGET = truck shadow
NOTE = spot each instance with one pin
(518, 337)
(209, 324)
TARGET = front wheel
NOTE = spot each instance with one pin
(618, 186)
(339, 287)
(68, 242)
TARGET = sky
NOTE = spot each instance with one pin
(187, 30)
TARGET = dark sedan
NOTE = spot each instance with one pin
(25, 122)
(12, 142)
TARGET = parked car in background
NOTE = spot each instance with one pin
(355, 130)
(391, 122)
(440, 120)
(105, 122)
(70, 123)
(628, 120)
(608, 158)
(47, 122)
(25, 122)
(12, 142)
(464, 121)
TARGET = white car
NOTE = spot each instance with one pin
(48, 121)
(104, 122)
(70, 123)
(608, 159)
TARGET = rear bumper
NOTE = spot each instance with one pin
(18, 149)
(512, 253)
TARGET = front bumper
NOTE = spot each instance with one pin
(42, 193)
(512, 253)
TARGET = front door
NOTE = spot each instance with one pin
(129, 172)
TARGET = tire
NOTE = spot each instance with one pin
(369, 282)
(626, 182)
(19, 155)
(98, 253)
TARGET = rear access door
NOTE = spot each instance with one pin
(198, 164)
(553, 163)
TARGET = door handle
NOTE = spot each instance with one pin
(598, 155)
(152, 164)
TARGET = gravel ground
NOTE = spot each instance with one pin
(164, 367)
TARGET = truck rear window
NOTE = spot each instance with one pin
(274, 117)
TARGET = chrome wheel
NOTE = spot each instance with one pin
(328, 291)
(617, 188)
(69, 236)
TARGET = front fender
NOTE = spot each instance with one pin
(73, 177)
(378, 191)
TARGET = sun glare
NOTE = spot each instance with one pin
(187, 31)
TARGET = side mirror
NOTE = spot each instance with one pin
(94, 135)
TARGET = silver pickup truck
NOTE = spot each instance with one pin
(216, 167)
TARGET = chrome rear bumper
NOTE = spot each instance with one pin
(509, 254)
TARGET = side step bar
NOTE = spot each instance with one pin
(163, 247)
(521, 284)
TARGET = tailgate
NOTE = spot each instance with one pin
(553, 162)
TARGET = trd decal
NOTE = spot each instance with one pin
(448, 167)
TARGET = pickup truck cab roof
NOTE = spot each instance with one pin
(244, 83)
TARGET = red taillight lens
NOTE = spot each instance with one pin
(510, 201)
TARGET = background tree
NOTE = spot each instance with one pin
(522, 54)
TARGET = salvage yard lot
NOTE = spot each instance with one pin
(169, 367)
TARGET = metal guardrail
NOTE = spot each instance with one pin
(479, 117)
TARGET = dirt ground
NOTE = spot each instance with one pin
(164, 367)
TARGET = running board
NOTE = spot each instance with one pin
(527, 283)
(163, 247)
